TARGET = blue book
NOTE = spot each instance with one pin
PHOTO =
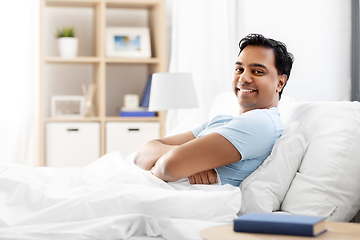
(146, 95)
(280, 224)
(137, 114)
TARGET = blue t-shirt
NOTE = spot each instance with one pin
(252, 133)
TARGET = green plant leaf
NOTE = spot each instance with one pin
(65, 32)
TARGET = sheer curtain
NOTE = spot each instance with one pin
(203, 42)
(19, 81)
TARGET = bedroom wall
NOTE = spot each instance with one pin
(203, 36)
(318, 33)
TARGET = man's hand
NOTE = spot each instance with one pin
(206, 177)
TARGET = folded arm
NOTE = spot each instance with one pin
(148, 155)
(195, 156)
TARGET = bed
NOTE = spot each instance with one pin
(109, 199)
(313, 170)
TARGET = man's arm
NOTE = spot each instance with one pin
(199, 155)
(154, 149)
(206, 177)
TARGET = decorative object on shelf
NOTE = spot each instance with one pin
(67, 106)
(131, 101)
(172, 91)
(128, 42)
(89, 94)
(67, 42)
(131, 108)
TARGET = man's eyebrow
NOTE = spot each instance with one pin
(253, 65)
(258, 65)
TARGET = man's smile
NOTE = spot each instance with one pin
(245, 90)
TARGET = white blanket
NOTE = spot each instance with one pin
(109, 199)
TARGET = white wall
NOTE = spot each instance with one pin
(317, 32)
(205, 36)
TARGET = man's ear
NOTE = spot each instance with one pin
(281, 82)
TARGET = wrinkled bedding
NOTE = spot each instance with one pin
(109, 199)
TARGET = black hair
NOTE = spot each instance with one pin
(283, 59)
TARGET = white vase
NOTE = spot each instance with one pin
(68, 47)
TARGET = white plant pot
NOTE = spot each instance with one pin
(68, 47)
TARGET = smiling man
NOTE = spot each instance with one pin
(234, 146)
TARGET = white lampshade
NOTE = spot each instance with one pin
(172, 91)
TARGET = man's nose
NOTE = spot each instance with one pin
(245, 77)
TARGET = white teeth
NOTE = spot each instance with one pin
(246, 90)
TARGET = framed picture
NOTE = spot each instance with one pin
(128, 42)
(67, 106)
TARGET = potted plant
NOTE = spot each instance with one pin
(67, 42)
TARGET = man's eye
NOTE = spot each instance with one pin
(238, 70)
(258, 72)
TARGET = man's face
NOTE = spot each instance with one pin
(256, 81)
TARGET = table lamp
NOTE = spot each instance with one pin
(172, 91)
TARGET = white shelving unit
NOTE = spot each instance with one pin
(114, 77)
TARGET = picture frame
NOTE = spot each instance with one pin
(132, 42)
(67, 106)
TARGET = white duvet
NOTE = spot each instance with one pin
(109, 199)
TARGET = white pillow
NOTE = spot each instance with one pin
(265, 189)
(225, 103)
(328, 181)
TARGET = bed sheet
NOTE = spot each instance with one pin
(109, 199)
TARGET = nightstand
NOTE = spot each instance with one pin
(335, 231)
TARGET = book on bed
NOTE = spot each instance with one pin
(280, 224)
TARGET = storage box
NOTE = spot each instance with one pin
(72, 144)
(128, 137)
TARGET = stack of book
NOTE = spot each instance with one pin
(141, 111)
